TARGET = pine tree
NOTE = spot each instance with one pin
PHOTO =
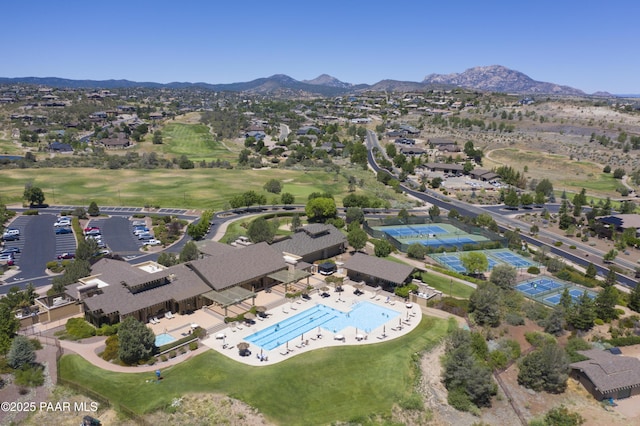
(634, 299)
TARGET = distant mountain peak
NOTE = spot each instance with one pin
(327, 80)
(498, 78)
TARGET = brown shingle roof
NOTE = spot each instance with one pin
(237, 266)
(374, 266)
(609, 372)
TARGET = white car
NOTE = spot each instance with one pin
(62, 222)
(152, 242)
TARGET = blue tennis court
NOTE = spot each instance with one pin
(575, 294)
(512, 259)
(413, 230)
(536, 286)
(453, 262)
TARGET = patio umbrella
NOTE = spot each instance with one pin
(261, 309)
(249, 316)
(325, 288)
(243, 346)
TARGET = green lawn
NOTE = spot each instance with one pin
(604, 182)
(446, 285)
(318, 387)
(194, 141)
(195, 188)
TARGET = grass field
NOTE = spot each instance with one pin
(448, 286)
(315, 388)
(196, 188)
(193, 140)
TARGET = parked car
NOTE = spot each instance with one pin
(66, 256)
(10, 250)
(94, 231)
(62, 222)
(64, 230)
(11, 232)
(140, 230)
(152, 242)
(6, 256)
(145, 236)
(8, 262)
(9, 237)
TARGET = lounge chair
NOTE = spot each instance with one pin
(168, 315)
(157, 321)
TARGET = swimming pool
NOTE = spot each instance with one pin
(365, 316)
(164, 338)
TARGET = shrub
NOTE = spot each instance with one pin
(78, 328)
(31, 212)
(35, 344)
(107, 330)
(152, 360)
(163, 358)
(193, 346)
(412, 402)
(624, 341)
(182, 350)
(172, 354)
(572, 247)
(513, 319)
(111, 350)
(458, 399)
(533, 270)
(31, 376)
(536, 338)
(598, 321)
(557, 243)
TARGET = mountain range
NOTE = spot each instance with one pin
(494, 78)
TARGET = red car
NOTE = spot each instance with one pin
(66, 256)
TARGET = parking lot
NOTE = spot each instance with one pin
(118, 235)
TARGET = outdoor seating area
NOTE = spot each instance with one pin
(283, 313)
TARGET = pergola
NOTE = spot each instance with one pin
(287, 277)
(230, 296)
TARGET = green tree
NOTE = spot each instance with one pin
(417, 251)
(561, 416)
(511, 200)
(610, 256)
(260, 230)
(434, 212)
(354, 214)
(582, 313)
(634, 299)
(185, 163)
(167, 259)
(610, 279)
(287, 198)
(591, 271)
(474, 262)
(539, 198)
(295, 222)
(545, 369)
(526, 199)
(321, 209)
(273, 185)
(605, 303)
(21, 353)
(619, 173)
(546, 187)
(382, 248)
(554, 322)
(9, 325)
(357, 238)
(566, 301)
(157, 137)
(93, 209)
(34, 196)
(504, 276)
(136, 341)
(189, 252)
(484, 303)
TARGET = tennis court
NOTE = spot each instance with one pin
(548, 290)
(494, 257)
(431, 235)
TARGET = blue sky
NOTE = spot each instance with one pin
(589, 45)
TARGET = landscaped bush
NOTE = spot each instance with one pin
(30, 212)
(624, 341)
(598, 321)
(172, 354)
(152, 360)
(107, 330)
(458, 399)
(193, 346)
(536, 338)
(535, 311)
(557, 243)
(31, 376)
(572, 247)
(54, 266)
(570, 274)
(35, 344)
(163, 358)
(76, 329)
(533, 270)
(111, 350)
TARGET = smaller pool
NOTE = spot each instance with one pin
(164, 338)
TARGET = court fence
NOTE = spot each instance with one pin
(495, 240)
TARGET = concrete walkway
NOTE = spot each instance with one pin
(89, 351)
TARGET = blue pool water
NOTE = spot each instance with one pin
(164, 338)
(364, 316)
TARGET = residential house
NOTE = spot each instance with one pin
(606, 375)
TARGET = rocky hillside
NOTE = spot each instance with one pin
(496, 78)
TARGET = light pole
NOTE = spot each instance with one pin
(450, 287)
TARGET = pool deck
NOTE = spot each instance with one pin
(410, 316)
